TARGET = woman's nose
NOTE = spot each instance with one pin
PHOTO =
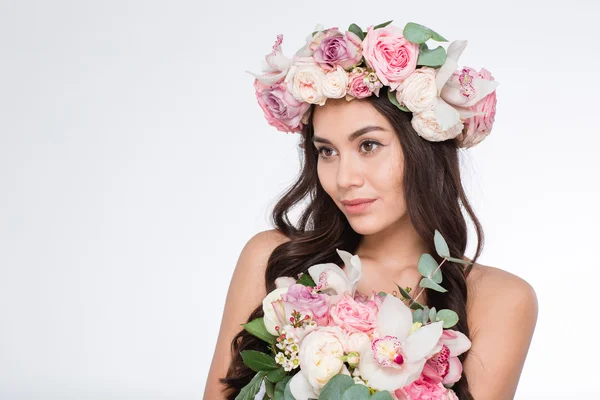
(349, 172)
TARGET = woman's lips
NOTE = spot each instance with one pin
(359, 207)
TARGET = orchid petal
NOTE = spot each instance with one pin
(453, 53)
(331, 277)
(284, 282)
(387, 378)
(459, 345)
(454, 372)
(445, 115)
(418, 345)
(394, 318)
(300, 388)
(353, 268)
(451, 92)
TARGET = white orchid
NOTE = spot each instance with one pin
(397, 357)
(332, 280)
(275, 66)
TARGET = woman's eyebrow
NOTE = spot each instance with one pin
(353, 135)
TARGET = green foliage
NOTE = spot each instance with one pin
(335, 388)
(383, 25)
(276, 375)
(427, 267)
(257, 328)
(449, 317)
(441, 247)
(306, 280)
(280, 388)
(394, 101)
(418, 34)
(257, 361)
(459, 260)
(429, 284)
(356, 392)
(249, 391)
(357, 30)
(431, 58)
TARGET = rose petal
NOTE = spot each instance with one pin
(300, 388)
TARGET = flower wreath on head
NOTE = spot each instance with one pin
(446, 102)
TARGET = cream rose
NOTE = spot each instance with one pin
(305, 82)
(418, 92)
(270, 318)
(321, 356)
(426, 126)
(335, 83)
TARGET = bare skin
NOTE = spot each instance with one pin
(501, 309)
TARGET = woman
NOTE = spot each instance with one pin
(369, 150)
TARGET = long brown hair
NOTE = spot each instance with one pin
(434, 197)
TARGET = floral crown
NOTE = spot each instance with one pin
(446, 102)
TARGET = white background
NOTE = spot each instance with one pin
(135, 163)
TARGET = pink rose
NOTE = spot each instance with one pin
(357, 87)
(353, 316)
(479, 127)
(280, 108)
(305, 300)
(390, 55)
(335, 48)
(421, 389)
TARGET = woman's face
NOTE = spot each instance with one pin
(360, 166)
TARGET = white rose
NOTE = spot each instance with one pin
(335, 83)
(418, 92)
(305, 82)
(426, 126)
(320, 356)
(355, 341)
(270, 318)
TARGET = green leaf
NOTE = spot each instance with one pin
(417, 315)
(404, 293)
(287, 393)
(249, 391)
(425, 316)
(431, 58)
(394, 100)
(306, 280)
(459, 260)
(335, 387)
(356, 392)
(440, 245)
(357, 31)
(432, 314)
(276, 375)
(416, 306)
(257, 328)
(280, 388)
(270, 387)
(449, 317)
(429, 284)
(257, 361)
(418, 34)
(383, 25)
(384, 395)
(427, 267)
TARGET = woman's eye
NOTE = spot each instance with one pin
(370, 144)
(325, 152)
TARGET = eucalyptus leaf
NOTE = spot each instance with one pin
(384, 395)
(432, 58)
(427, 267)
(425, 316)
(257, 361)
(383, 25)
(306, 280)
(394, 101)
(441, 247)
(249, 391)
(417, 315)
(429, 284)
(334, 389)
(449, 317)
(418, 34)
(356, 392)
(287, 392)
(257, 328)
(432, 314)
(459, 260)
(276, 375)
(280, 388)
(357, 30)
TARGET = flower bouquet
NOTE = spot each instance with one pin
(328, 341)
